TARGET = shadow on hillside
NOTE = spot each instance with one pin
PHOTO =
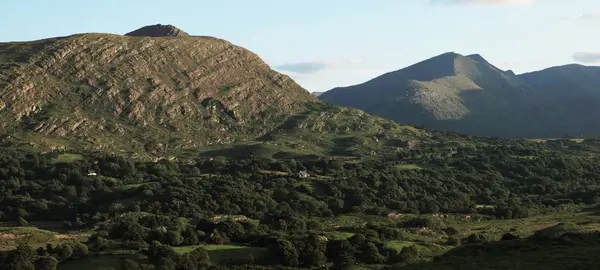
(592, 210)
(567, 251)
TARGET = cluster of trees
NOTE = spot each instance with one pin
(24, 257)
(515, 180)
(173, 203)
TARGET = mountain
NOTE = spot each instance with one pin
(459, 93)
(158, 30)
(157, 90)
(575, 87)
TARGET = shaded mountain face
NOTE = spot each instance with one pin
(461, 93)
(576, 88)
(145, 93)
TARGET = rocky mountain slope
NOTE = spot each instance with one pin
(153, 90)
(464, 94)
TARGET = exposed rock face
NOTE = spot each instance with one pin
(111, 90)
(158, 30)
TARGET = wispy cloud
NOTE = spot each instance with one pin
(483, 2)
(308, 67)
(587, 57)
(585, 17)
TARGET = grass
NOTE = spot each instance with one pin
(399, 244)
(102, 262)
(408, 167)
(132, 186)
(578, 252)
(67, 158)
(339, 235)
(11, 237)
(228, 253)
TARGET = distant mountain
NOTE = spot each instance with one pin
(574, 87)
(158, 30)
(317, 94)
(464, 94)
(158, 90)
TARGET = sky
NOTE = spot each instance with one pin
(324, 44)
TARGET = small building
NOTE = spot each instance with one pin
(303, 174)
(92, 173)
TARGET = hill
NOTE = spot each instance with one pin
(464, 94)
(155, 90)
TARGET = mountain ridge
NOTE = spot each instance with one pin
(465, 94)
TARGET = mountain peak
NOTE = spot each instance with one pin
(477, 57)
(158, 30)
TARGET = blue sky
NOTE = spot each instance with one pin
(327, 43)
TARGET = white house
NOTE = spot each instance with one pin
(303, 174)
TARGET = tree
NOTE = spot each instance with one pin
(197, 259)
(312, 251)
(64, 251)
(173, 238)
(370, 254)
(342, 254)
(97, 243)
(231, 229)
(159, 253)
(190, 237)
(218, 239)
(129, 264)
(22, 258)
(409, 254)
(21, 222)
(41, 252)
(508, 237)
(80, 250)
(46, 263)
(285, 252)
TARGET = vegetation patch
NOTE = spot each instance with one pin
(67, 158)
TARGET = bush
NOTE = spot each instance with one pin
(418, 222)
(451, 231)
(453, 241)
(508, 237)
(80, 250)
(409, 255)
(474, 238)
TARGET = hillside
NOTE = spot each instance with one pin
(575, 87)
(464, 94)
(154, 90)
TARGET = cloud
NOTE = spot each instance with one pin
(483, 2)
(308, 67)
(585, 17)
(587, 57)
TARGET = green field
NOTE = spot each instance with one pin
(228, 253)
(407, 167)
(399, 244)
(67, 158)
(339, 235)
(101, 262)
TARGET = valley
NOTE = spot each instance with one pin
(159, 149)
